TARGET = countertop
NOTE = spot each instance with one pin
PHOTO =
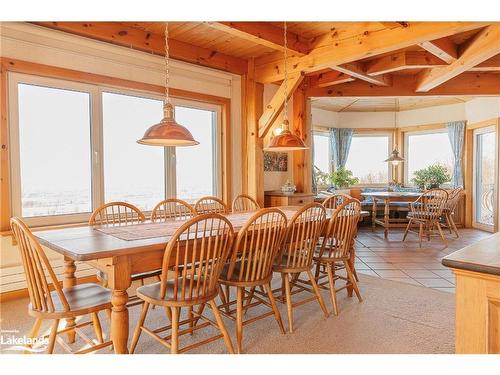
(482, 257)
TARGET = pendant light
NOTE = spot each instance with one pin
(284, 140)
(167, 132)
(394, 158)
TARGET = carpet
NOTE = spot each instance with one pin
(394, 317)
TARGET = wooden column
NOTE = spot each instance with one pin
(302, 160)
(253, 155)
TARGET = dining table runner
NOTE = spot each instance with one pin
(167, 228)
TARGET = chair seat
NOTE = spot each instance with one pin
(82, 299)
(281, 265)
(151, 294)
(421, 215)
(138, 276)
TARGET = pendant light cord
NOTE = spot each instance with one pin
(167, 66)
(285, 83)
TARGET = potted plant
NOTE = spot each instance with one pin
(342, 178)
(321, 178)
(431, 177)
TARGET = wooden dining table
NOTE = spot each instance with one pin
(120, 252)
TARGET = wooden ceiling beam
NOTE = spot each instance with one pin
(331, 78)
(273, 109)
(117, 33)
(443, 48)
(401, 61)
(485, 45)
(469, 84)
(490, 65)
(357, 70)
(264, 34)
(360, 47)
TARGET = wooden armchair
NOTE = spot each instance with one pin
(48, 300)
(454, 197)
(426, 212)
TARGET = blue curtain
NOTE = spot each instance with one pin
(340, 142)
(456, 134)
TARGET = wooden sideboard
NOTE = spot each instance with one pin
(277, 198)
(477, 320)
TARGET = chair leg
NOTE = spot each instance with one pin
(288, 301)
(333, 292)
(407, 229)
(34, 333)
(108, 314)
(222, 327)
(174, 349)
(277, 314)
(454, 226)
(318, 293)
(448, 224)
(228, 297)
(222, 295)
(97, 327)
(249, 300)
(353, 281)
(441, 233)
(168, 313)
(52, 336)
(420, 234)
(138, 327)
(190, 318)
(239, 318)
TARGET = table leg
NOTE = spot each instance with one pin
(374, 213)
(69, 281)
(386, 217)
(119, 280)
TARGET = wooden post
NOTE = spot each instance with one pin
(302, 160)
(254, 155)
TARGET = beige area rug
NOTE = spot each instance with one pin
(393, 318)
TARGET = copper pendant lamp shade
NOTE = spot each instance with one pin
(168, 132)
(395, 158)
(286, 141)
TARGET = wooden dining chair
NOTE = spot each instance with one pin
(206, 205)
(335, 249)
(296, 257)
(335, 200)
(48, 300)
(192, 263)
(251, 266)
(454, 197)
(244, 203)
(172, 209)
(118, 214)
(426, 212)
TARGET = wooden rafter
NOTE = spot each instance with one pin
(360, 47)
(117, 33)
(401, 61)
(443, 48)
(485, 45)
(357, 70)
(273, 109)
(490, 65)
(264, 34)
(468, 83)
(331, 78)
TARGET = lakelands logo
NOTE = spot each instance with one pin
(11, 341)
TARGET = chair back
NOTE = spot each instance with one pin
(430, 204)
(454, 197)
(341, 231)
(257, 246)
(117, 213)
(244, 203)
(335, 200)
(206, 205)
(38, 271)
(198, 250)
(303, 232)
(169, 209)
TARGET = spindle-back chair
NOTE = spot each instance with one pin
(454, 197)
(206, 205)
(243, 203)
(172, 208)
(335, 200)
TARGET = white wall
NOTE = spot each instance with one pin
(44, 46)
(480, 109)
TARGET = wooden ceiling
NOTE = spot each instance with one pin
(383, 104)
(327, 59)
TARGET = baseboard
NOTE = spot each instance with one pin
(23, 293)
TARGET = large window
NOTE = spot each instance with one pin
(366, 158)
(322, 152)
(74, 147)
(425, 149)
(54, 151)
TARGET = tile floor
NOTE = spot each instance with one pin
(405, 261)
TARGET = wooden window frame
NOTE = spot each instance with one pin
(40, 70)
